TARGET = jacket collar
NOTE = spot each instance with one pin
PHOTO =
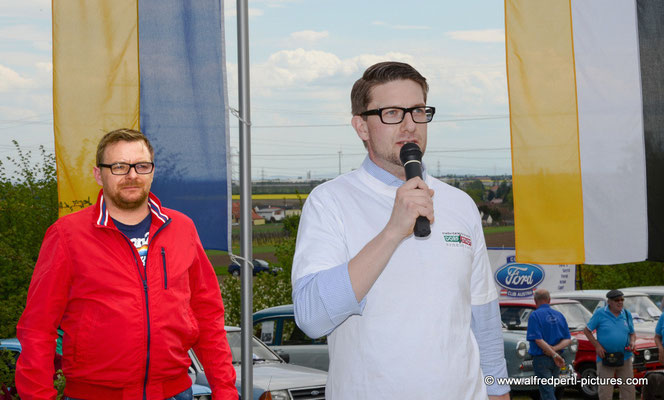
(104, 219)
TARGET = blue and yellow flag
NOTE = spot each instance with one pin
(153, 65)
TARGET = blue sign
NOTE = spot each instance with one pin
(519, 277)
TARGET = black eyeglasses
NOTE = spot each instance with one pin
(120, 168)
(395, 115)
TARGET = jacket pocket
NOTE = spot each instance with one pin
(163, 262)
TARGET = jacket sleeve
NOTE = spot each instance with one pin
(37, 327)
(212, 346)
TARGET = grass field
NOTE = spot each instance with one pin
(287, 196)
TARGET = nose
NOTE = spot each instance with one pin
(408, 122)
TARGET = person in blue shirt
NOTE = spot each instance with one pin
(659, 333)
(615, 340)
(548, 335)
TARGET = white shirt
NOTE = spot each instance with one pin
(413, 338)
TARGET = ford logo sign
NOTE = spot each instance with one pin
(517, 276)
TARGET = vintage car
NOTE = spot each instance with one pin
(656, 293)
(200, 392)
(520, 363)
(515, 313)
(276, 327)
(645, 313)
(273, 378)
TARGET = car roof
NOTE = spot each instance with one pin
(646, 289)
(285, 310)
(598, 294)
(531, 302)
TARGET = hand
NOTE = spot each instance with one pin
(601, 353)
(661, 355)
(414, 199)
(559, 360)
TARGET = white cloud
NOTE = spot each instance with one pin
(401, 27)
(230, 10)
(10, 80)
(294, 67)
(309, 36)
(44, 67)
(483, 36)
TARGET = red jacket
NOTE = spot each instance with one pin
(127, 329)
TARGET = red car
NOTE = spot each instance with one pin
(515, 313)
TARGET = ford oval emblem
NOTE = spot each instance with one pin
(516, 276)
(315, 392)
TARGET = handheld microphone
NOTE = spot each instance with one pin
(411, 158)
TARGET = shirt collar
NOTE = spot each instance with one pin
(154, 204)
(382, 175)
(622, 312)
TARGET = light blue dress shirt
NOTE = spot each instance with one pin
(324, 299)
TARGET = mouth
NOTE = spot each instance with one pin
(402, 142)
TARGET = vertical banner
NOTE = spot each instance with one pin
(582, 185)
(184, 110)
(95, 87)
(156, 66)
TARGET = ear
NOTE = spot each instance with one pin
(360, 125)
(97, 173)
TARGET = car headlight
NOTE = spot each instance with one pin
(574, 347)
(521, 349)
(646, 354)
(275, 395)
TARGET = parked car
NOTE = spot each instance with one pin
(200, 392)
(271, 214)
(515, 313)
(273, 378)
(520, 363)
(656, 293)
(276, 327)
(259, 266)
(644, 312)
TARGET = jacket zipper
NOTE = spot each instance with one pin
(144, 279)
(163, 261)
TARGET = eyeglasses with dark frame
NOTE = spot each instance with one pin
(121, 168)
(395, 115)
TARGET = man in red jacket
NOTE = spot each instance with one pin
(131, 287)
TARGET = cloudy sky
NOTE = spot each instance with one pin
(305, 56)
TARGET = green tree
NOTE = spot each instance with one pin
(28, 206)
(645, 273)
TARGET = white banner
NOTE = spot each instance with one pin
(519, 280)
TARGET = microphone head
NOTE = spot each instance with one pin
(410, 152)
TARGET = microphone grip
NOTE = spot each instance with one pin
(422, 227)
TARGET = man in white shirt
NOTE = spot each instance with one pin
(406, 317)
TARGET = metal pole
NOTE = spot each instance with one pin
(245, 197)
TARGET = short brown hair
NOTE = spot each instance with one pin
(377, 74)
(123, 134)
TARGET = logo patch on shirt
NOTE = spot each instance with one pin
(457, 239)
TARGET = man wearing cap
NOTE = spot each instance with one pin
(548, 335)
(614, 344)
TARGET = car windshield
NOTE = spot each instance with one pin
(515, 317)
(260, 352)
(577, 316)
(642, 308)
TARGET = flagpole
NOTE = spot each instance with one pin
(246, 323)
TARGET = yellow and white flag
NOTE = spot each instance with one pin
(586, 90)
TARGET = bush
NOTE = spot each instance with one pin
(28, 205)
(269, 291)
(646, 273)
